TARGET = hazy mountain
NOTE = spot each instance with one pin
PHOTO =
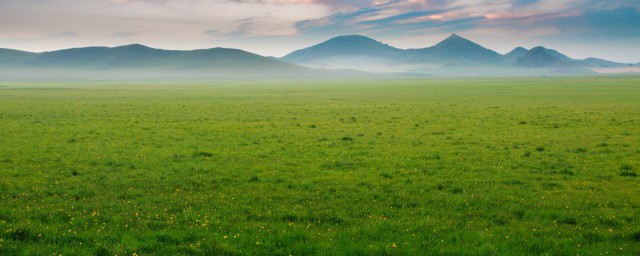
(96, 57)
(456, 50)
(8, 56)
(453, 56)
(540, 57)
(354, 51)
(515, 54)
(600, 63)
(353, 45)
(138, 56)
(363, 53)
(138, 61)
(543, 58)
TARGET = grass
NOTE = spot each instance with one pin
(526, 166)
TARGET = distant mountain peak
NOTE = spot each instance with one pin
(538, 49)
(133, 46)
(357, 46)
(455, 36)
(540, 57)
(455, 50)
(352, 39)
(516, 53)
(455, 42)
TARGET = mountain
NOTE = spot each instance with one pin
(515, 54)
(363, 53)
(456, 50)
(352, 51)
(600, 63)
(540, 57)
(8, 56)
(140, 62)
(543, 58)
(96, 57)
(454, 56)
(354, 45)
(138, 56)
(367, 54)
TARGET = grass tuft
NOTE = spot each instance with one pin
(202, 154)
(346, 139)
(628, 174)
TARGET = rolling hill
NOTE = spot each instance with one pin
(142, 62)
(139, 57)
(9, 56)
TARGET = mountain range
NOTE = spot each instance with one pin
(142, 62)
(344, 56)
(453, 56)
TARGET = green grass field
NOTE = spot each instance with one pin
(528, 166)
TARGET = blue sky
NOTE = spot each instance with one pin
(579, 28)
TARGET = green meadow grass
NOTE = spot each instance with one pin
(528, 166)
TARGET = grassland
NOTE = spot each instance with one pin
(408, 167)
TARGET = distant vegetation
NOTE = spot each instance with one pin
(545, 166)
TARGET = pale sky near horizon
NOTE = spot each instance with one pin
(578, 28)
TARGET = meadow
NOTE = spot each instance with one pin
(505, 166)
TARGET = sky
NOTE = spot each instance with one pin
(578, 28)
